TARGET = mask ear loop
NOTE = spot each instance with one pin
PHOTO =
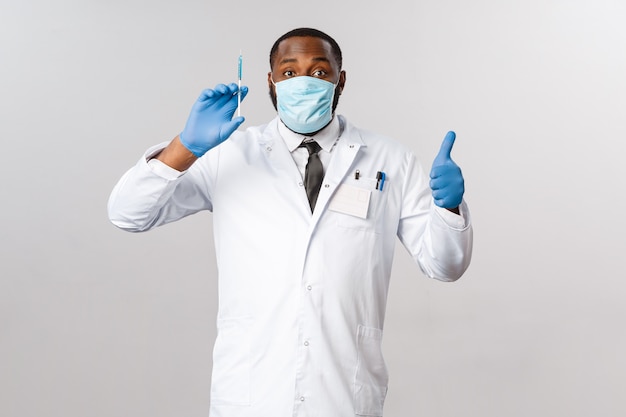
(275, 92)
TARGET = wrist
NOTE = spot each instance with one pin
(176, 155)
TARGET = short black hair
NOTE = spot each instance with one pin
(336, 51)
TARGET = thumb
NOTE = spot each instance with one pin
(446, 148)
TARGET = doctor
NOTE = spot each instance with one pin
(306, 210)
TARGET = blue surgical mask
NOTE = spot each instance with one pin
(305, 103)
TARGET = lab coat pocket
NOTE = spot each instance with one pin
(370, 201)
(231, 362)
(370, 386)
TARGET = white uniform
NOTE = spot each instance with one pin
(302, 297)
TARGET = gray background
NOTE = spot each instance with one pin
(98, 322)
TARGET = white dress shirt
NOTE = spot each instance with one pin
(326, 138)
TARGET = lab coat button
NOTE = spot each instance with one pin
(301, 184)
(308, 287)
(306, 343)
(301, 398)
(269, 149)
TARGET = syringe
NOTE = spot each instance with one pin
(239, 83)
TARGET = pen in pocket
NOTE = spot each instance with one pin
(380, 180)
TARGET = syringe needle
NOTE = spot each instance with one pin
(239, 83)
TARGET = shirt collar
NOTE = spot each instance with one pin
(326, 137)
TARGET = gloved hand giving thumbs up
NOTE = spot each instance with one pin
(446, 179)
(211, 119)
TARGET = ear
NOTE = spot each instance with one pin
(269, 79)
(342, 81)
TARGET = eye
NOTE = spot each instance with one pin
(320, 73)
(289, 73)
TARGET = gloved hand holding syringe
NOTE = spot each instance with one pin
(211, 119)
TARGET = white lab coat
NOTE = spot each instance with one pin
(302, 297)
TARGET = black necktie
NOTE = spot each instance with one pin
(314, 172)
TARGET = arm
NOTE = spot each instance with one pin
(435, 225)
(149, 195)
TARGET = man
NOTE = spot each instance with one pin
(303, 266)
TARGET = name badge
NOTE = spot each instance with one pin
(351, 200)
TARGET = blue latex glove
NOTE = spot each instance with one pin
(211, 119)
(446, 180)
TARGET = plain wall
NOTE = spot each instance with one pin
(97, 322)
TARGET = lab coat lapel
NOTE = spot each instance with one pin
(346, 151)
(281, 161)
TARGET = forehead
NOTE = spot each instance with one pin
(302, 48)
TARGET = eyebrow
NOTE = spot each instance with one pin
(316, 59)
